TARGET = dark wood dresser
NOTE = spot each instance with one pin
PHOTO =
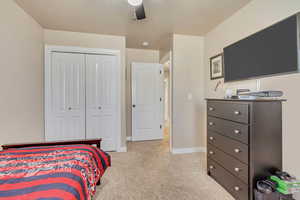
(244, 143)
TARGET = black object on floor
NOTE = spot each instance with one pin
(286, 197)
(272, 196)
(266, 196)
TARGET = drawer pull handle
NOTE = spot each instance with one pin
(211, 123)
(211, 167)
(237, 169)
(237, 112)
(237, 150)
(211, 138)
(211, 152)
(237, 131)
(236, 188)
(211, 109)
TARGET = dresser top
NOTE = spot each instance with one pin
(247, 100)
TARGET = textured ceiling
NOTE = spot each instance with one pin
(164, 17)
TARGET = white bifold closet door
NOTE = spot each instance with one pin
(82, 98)
(66, 117)
(101, 99)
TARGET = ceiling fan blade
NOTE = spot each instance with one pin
(140, 12)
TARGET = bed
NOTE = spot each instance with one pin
(65, 170)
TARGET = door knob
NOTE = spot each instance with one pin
(133, 106)
(99, 107)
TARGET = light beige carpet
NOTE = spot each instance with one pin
(149, 172)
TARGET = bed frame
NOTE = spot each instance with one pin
(96, 142)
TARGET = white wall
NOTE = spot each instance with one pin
(166, 46)
(257, 15)
(135, 55)
(188, 79)
(21, 76)
(65, 38)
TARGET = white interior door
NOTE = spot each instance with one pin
(147, 101)
(66, 114)
(101, 99)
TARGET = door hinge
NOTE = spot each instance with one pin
(160, 126)
(160, 71)
(160, 99)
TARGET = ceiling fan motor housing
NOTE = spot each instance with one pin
(140, 12)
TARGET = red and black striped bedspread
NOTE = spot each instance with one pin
(68, 172)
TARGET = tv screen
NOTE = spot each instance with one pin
(273, 50)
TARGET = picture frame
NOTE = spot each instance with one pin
(216, 67)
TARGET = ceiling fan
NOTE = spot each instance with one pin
(138, 8)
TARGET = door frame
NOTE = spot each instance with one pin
(169, 58)
(73, 49)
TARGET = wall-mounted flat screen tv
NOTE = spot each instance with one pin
(274, 50)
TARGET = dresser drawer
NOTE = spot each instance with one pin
(232, 111)
(232, 147)
(233, 185)
(231, 129)
(234, 166)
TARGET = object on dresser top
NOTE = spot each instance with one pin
(234, 93)
(258, 95)
(269, 93)
(240, 91)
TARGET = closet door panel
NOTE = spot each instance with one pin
(66, 118)
(76, 97)
(101, 99)
(76, 85)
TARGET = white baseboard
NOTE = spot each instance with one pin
(129, 138)
(188, 150)
(137, 139)
(122, 149)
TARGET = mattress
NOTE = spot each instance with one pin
(66, 172)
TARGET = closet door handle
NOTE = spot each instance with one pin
(69, 108)
(99, 107)
(133, 106)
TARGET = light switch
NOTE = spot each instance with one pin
(190, 96)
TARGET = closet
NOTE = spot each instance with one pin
(81, 97)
